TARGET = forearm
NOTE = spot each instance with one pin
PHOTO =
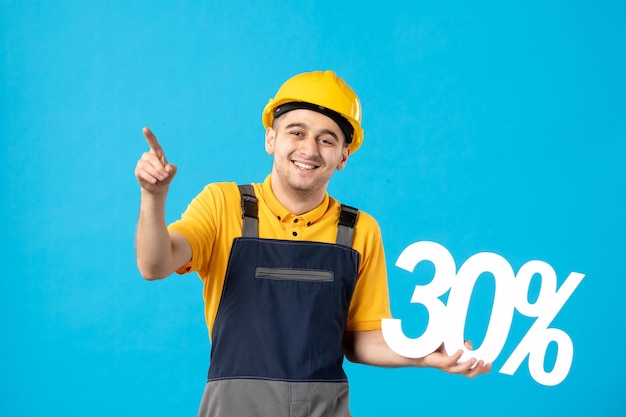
(153, 244)
(370, 348)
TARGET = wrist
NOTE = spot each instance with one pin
(152, 202)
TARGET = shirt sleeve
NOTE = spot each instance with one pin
(370, 301)
(197, 224)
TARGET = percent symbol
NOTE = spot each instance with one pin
(546, 307)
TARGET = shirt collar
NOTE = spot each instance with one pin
(285, 215)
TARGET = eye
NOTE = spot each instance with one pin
(327, 141)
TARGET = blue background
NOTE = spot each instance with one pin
(489, 126)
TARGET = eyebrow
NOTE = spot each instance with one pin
(305, 126)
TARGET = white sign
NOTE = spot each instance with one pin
(447, 321)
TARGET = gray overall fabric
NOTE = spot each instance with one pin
(274, 398)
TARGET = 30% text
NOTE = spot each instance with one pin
(446, 322)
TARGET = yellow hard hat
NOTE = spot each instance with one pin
(326, 91)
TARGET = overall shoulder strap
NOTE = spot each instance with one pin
(345, 228)
(250, 211)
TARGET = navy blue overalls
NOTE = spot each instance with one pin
(277, 337)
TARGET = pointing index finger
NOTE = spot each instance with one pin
(154, 143)
(151, 139)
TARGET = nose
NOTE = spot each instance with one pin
(309, 146)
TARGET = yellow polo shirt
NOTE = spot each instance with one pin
(213, 219)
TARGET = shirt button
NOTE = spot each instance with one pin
(295, 233)
(295, 220)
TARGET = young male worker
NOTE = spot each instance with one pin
(293, 280)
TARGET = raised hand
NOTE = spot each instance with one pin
(153, 172)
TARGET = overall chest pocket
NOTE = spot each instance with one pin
(294, 274)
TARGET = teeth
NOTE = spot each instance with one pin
(303, 166)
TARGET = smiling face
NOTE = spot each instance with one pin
(307, 147)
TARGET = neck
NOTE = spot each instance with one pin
(297, 201)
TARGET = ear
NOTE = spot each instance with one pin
(270, 137)
(345, 153)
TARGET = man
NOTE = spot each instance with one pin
(293, 280)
